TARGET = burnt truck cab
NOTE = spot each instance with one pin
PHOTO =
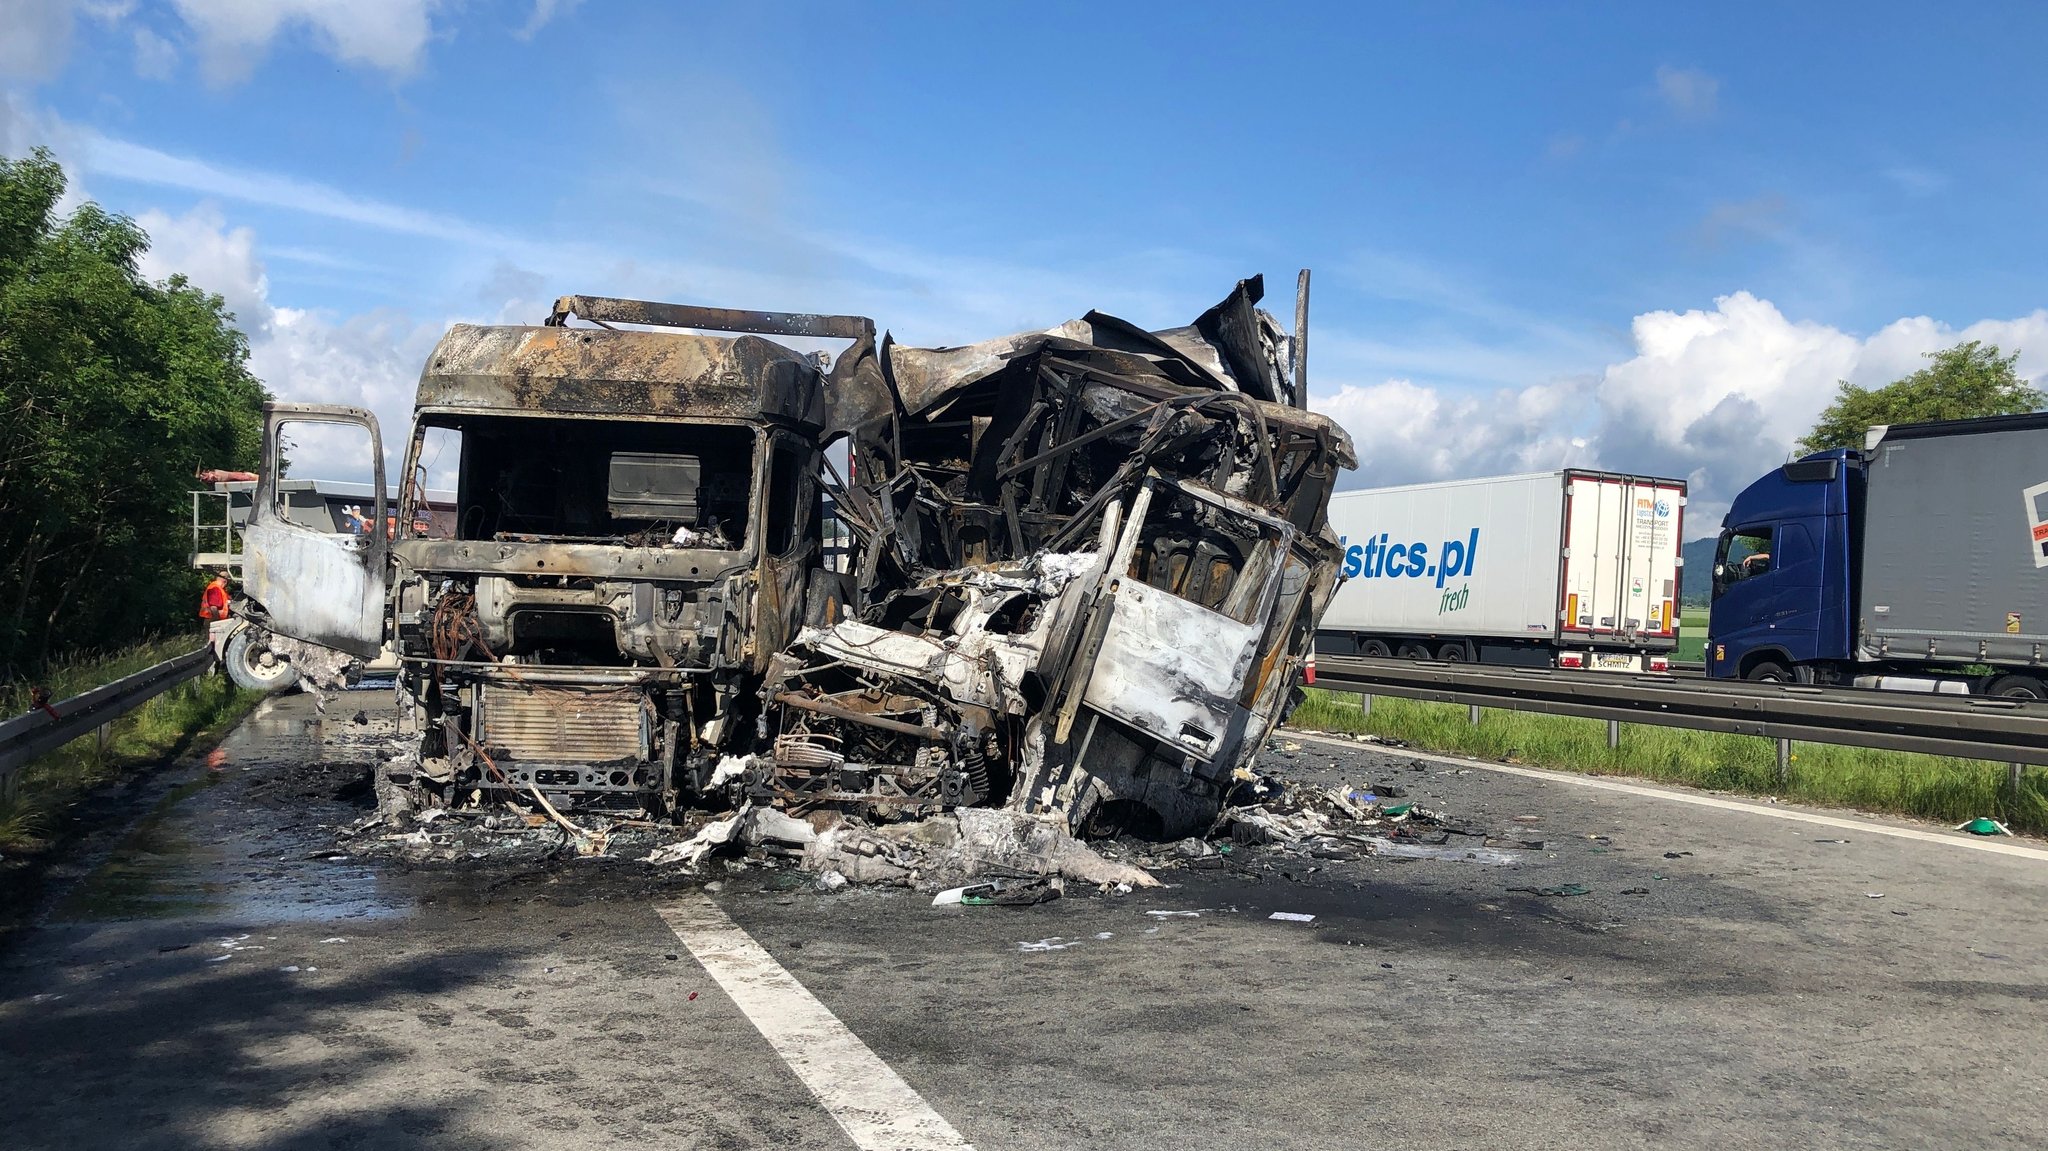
(637, 515)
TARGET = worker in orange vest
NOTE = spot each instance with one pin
(213, 602)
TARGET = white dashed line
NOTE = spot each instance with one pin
(1997, 846)
(870, 1102)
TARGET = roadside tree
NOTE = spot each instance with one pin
(114, 391)
(1969, 380)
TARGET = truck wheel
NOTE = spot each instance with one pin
(252, 665)
(1414, 651)
(2019, 687)
(1451, 653)
(1375, 649)
(1767, 671)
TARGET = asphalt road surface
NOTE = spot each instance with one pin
(210, 977)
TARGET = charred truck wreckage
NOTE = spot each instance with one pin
(1084, 570)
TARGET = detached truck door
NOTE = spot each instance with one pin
(312, 582)
(1191, 591)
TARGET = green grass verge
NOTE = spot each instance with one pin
(1930, 787)
(77, 674)
(1692, 636)
(34, 809)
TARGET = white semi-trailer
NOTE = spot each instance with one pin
(1572, 568)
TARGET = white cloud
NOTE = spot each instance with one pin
(200, 246)
(733, 251)
(370, 360)
(233, 35)
(1690, 92)
(385, 35)
(1408, 433)
(1917, 182)
(142, 164)
(1716, 396)
(35, 38)
(18, 133)
(155, 57)
(544, 12)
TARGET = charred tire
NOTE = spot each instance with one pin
(253, 666)
(1375, 649)
(1451, 653)
(1414, 651)
(1768, 671)
(2019, 687)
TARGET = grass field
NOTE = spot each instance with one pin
(1931, 787)
(33, 808)
(1692, 635)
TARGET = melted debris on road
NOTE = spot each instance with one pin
(1265, 819)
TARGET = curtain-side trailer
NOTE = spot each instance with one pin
(1919, 563)
(1572, 568)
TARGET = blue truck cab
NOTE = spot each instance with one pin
(1784, 572)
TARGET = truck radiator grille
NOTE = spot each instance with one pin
(523, 722)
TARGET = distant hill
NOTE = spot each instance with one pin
(1698, 584)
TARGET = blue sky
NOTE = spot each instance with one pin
(1615, 236)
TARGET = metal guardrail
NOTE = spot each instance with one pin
(27, 736)
(1973, 727)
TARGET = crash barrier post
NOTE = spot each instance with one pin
(2015, 773)
(1613, 734)
(1784, 761)
(1365, 702)
(25, 737)
(1473, 715)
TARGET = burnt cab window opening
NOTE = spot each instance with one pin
(637, 483)
(1744, 553)
(335, 495)
(792, 494)
(1205, 554)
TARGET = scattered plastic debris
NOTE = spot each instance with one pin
(1292, 917)
(965, 844)
(1392, 850)
(1984, 826)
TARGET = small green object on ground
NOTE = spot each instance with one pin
(1983, 826)
(1562, 889)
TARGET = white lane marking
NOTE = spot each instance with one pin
(1995, 845)
(870, 1102)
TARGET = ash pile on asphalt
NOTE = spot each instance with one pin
(1267, 819)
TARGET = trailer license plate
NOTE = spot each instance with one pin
(1623, 662)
